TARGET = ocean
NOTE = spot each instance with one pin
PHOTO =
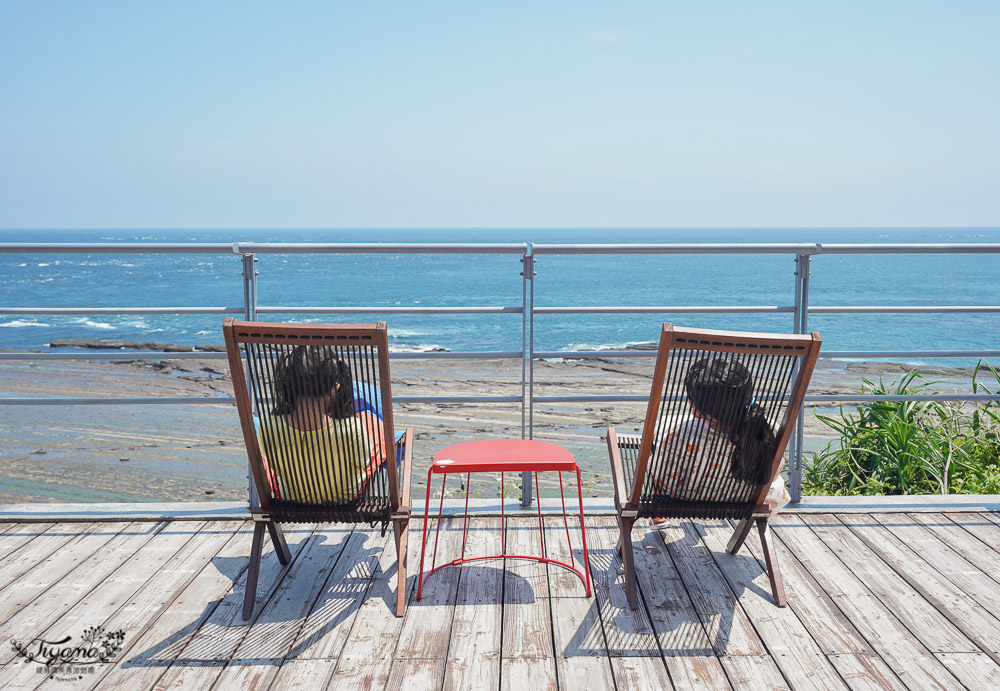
(391, 280)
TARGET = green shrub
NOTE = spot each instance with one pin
(910, 447)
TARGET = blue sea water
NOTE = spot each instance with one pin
(391, 280)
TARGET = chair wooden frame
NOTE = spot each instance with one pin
(629, 505)
(266, 512)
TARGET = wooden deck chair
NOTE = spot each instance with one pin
(324, 476)
(685, 463)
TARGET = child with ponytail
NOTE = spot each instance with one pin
(726, 425)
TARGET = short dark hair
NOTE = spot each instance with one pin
(313, 372)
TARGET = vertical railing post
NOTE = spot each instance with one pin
(801, 318)
(528, 362)
(249, 274)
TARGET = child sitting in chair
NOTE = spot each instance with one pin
(726, 425)
(320, 450)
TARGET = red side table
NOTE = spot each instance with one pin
(503, 455)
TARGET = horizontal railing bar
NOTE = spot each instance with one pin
(383, 247)
(121, 310)
(118, 247)
(867, 354)
(159, 400)
(619, 398)
(272, 309)
(816, 398)
(590, 354)
(769, 248)
(164, 400)
(214, 355)
(262, 248)
(118, 355)
(669, 309)
(677, 248)
(901, 309)
(863, 398)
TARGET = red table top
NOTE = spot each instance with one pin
(497, 455)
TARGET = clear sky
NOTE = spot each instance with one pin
(499, 114)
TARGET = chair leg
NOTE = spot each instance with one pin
(628, 561)
(251, 590)
(771, 558)
(280, 546)
(742, 530)
(400, 530)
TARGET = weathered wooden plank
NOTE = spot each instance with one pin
(527, 621)
(426, 628)
(248, 674)
(586, 672)
(29, 578)
(984, 526)
(273, 632)
(830, 628)
(911, 567)
(865, 672)
(135, 615)
(536, 674)
(367, 656)
(943, 577)
(727, 625)
(640, 673)
(965, 534)
(54, 603)
(628, 631)
(144, 659)
(118, 592)
(687, 651)
(221, 632)
(924, 621)
(304, 674)
(901, 649)
(786, 637)
(327, 626)
(753, 672)
(28, 544)
(576, 621)
(416, 675)
(474, 649)
(975, 670)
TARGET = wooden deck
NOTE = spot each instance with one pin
(876, 601)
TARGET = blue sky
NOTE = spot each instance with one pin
(512, 114)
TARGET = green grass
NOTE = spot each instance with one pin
(911, 447)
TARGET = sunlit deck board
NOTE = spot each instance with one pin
(875, 601)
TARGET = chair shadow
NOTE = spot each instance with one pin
(214, 636)
(219, 629)
(668, 622)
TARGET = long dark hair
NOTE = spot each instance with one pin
(723, 390)
(314, 372)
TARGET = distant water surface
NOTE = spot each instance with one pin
(391, 280)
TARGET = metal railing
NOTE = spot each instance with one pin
(250, 309)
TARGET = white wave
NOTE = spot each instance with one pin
(407, 333)
(199, 333)
(137, 324)
(603, 346)
(45, 265)
(83, 321)
(426, 348)
(22, 264)
(46, 280)
(19, 323)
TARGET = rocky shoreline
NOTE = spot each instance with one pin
(196, 452)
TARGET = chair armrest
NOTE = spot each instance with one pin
(404, 499)
(617, 471)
